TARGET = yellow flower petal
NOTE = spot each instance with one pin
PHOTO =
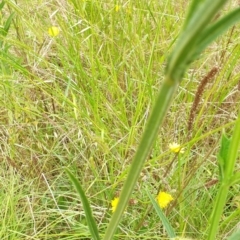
(176, 148)
(114, 204)
(53, 31)
(117, 8)
(164, 199)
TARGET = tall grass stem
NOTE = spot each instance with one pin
(162, 104)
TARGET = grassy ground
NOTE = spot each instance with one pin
(81, 100)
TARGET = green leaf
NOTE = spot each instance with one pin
(229, 155)
(2, 5)
(235, 236)
(215, 30)
(187, 44)
(233, 149)
(222, 155)
(162, 217)
(192, 10)
(86, 206)
(7, 24)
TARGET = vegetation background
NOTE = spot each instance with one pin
(81, 100)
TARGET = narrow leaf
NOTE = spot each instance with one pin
(162, 217)
(8, 23)
(223, 155)
(187, 43)
(2, 5)
(86, 206)
(233, 149)
(192, 10)
(221, 197)
(215, 30)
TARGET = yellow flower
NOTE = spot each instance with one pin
(164, 199)
(53, 31)
(114, 204)
(176, 148)
(117, 8)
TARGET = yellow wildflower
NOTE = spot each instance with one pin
(164, 199)
(176, 148)
(53, 31)
(114, 203)
(117, 8)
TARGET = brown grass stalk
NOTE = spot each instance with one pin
(198, 96)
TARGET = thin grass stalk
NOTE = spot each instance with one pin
(159, 111)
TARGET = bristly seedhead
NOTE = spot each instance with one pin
(198, 95)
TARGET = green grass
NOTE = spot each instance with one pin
(81, 100)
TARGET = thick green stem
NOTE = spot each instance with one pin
(226, 182)
(159, 111)
(217, 212)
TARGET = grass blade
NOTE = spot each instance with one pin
(2, 5)
(192, 10)
(225, 184)
(86, 206)
(182, 54)
(223, 154)
(162, 217)
(216, 29)
(233, 149)
(8, 22)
